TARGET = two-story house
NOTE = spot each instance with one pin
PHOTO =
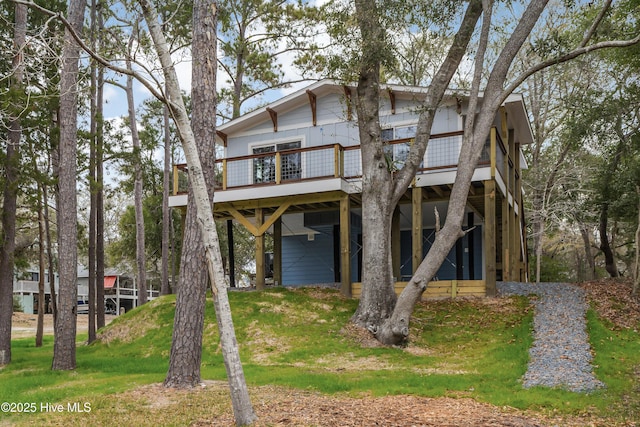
(120, 291)
(293, 169)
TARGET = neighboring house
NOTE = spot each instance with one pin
(120, 291)
(25, 289)
(293, 169)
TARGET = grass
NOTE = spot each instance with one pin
(295, 339)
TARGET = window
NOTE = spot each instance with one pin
(397, 153)
(264, 167)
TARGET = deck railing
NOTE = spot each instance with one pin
(334, 161)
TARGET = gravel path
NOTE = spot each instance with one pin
(561, 354)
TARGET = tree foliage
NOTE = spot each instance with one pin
(575, 183)
(260, 41)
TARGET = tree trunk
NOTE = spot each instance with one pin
(50, 259)
(64, 348)
(382, 188)
(605, 246)
(204, 39)
(41, 265)
(539, 248)
(96, 229)
(395, 329)
(603, 225)
(188, 324)
(100, 319)
(166, 212)
(137, 186)
(10, 193)
(91, 177)
(378, 295)
(538, 223)
(636, 270)
(591, 263)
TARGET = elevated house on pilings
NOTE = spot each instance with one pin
(293, 169)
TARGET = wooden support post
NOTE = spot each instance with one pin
(454, 289)
(514, 245)
(521, 243)
(416, 227)
(459, 248)
(471, 246)
(395, 244)
(490, 236)
(506, 239)
(277, 252)
(345, 245)
(260, 251)
(494, 147)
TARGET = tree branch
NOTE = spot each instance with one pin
(98, 58)
(567, 57)
(435, 93)
(596, 23)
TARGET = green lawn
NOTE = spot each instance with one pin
(295, 339)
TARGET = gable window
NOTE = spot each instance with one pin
(264, 166)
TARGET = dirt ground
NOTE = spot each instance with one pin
(280, 406)
(24, 325)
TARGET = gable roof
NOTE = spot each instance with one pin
(516, 109)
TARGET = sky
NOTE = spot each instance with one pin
(115, 98)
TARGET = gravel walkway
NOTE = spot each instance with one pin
(561, 354)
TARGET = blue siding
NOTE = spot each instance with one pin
(306, 262)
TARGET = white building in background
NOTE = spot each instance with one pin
(25, 289)
(120, 291)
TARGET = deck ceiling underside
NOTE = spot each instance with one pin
(331, 201)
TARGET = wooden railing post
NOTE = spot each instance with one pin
(176, 180)
(278, 167)
(337, 170)
(224, 174)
